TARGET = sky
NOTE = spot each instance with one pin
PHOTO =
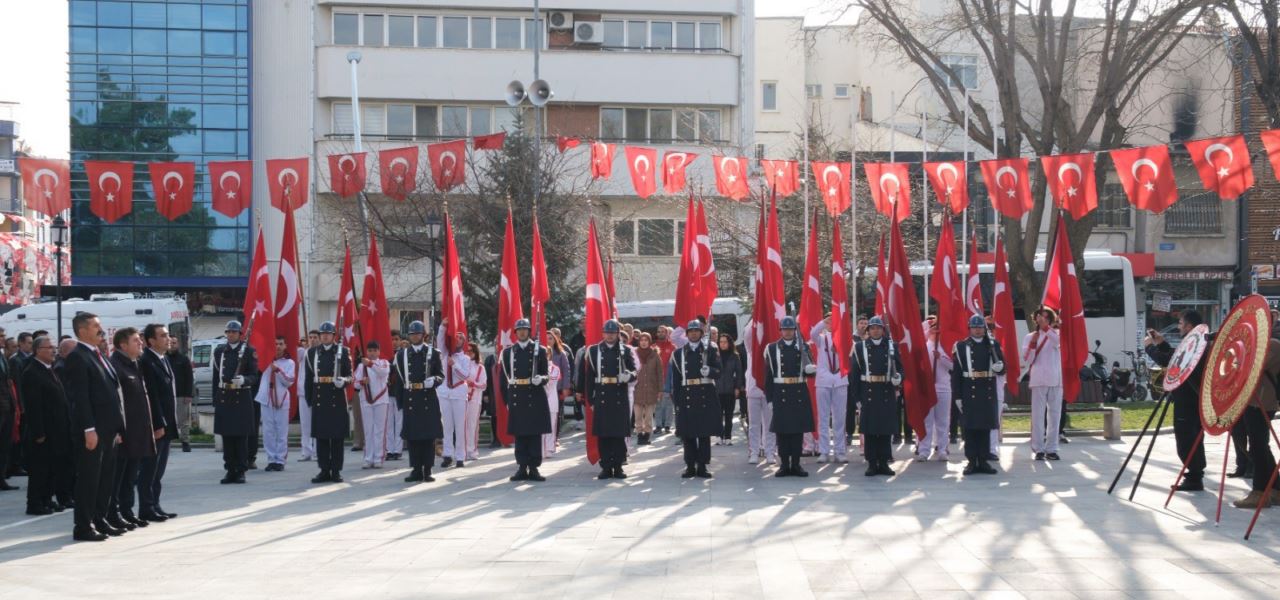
(34, 44)
(816, 12)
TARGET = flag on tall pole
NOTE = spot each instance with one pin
(704, 264)
(810, 312)
(882, 282)
(774, 295)
(611, 293)
(510, 311)
(596, 313)
(841, 321)
(259, 310)
(540, 295)
(945, 288)
(453, 310)
(761, 305)
(288, 303)
(348, 318)
(1062, 294)
(973, 291)
(1002, 317)
(687, 306)
(904, 326)
(375, 318)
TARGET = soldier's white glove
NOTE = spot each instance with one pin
(997, 366)
(624, 377)
(238, 380)
(896, 379)
(538, 379)
(339, 382)
(810, 369)
(430, 382)
(705, 370)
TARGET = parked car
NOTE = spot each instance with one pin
(201, 353)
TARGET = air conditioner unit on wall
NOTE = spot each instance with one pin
(587, 32)
(560, 19)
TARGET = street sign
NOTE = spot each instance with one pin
(1167, 246)
(8, 166)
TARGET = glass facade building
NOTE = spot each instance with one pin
(159, 81)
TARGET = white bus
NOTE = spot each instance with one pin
(1107, 289)
(116, 311)
(726, 315)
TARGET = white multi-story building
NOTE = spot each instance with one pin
(673, 75)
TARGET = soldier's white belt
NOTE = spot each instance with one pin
(876, 378)
(230, 386)
(324, 380)
(699, 381)
(417, 386)
(980, 375)
(608, 380)
(788, 380)
(521, 382)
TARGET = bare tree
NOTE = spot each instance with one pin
(1257, 25)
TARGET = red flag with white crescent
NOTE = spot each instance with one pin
(947, 290)
(973, 289)
(173, 186)
(687, 280)
(673, 170)
(258, 308)
(704, 263)
(232, 182)
(288, 182)
(448, 163)
(833, 182)
(1223, 164)
(641, 163)
(288, 303)
(348, 318)
(601, 160)
(510, 310)
(1008, 185)
(783, 176)
(453, 317)
(1146, 174)
(540, 295)
(882, 280)
(1062, 294)
(775, 309)
(1071, 182)
(347, 174)
(597, 312)
(904, 325)
(841, 320)
(950, 183)
(110, 188)
(761, 305)
(1271, 142)
(810, 312)
(890, 189)
(375, 317)
(46, 184)
(731, 177)
(1003, 320)
(398, 170)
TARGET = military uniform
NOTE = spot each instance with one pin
(417, 372)
(328, 372)
(233, 416)
(697, 407)
(522, 371)
(607, 371)
(875, 369)
(788, 364)
(977, 362)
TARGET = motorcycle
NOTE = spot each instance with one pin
(1098, 370)
(1125, 383)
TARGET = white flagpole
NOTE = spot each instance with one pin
(995, 153)
(924, 198)
(851, 277)
(964, 224)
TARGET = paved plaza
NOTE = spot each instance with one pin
(1039, 530)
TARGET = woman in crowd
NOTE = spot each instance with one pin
(728, 384)
(476, 385)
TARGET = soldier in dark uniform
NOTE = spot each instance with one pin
(788, 363)
(417, 372)
(607, 369)
(693, 371)
(875, 390)
(235, 374)
(328, 373)
(977, 361)
(522, 372)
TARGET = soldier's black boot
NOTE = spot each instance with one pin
(885, 470)
(534, 475)
(796, 469)
(321, 478)
(521, 475)
(618, 474)
(689, 471)
(335, 477)
(971, 467)
(985, 468)
(605, 473)
(872, 471)
(426, 474)
(703, 472)
(415, 475)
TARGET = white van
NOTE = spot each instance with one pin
(201, 365)
(115, 311)
(727, 314)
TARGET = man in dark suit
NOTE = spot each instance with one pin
(184, 387)
(8, 414)
(158, 375)
(17, 364)
(97, 423)
(47, 433)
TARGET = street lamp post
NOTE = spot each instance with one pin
(434, 227)
(58, 231)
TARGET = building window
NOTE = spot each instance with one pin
(615, 34)
(637, 34)
(372, 30)
(399, 30)
(709, 36)
(508, 33)
(1200, 214)
(842, 90)
(769, 96)
(426, 124)
(759, 151)
(660, 125)
(660, 35)
(965, 67)
(709, 126)
(533, 34)
(624, 237)
(427, 32)
(453, 121)
(813, 90)
(346, 29)
(481, 121)
(455, 32)
(1113, 207)
(656, 237)
(481, 32)
(687, 126)
(685, 33)
(400, 121)
(612, 125)
(637, 124)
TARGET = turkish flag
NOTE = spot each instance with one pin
(1223, 164)
(1002, 318)
(453, 317)
(1071, 182)
(258, 307)
(833, 181)
(375, 317)
(509, 311)
(611, 293)
(287, 182)
(1271, 141)
(770, 297)
(289, 297)
(947, 290)
(1146, 174)
(890, 189)
(597, 311)
(348, 317)
(173, 185)
(704, 264)
(810, 311)
(1008, 185)
(882, 281)
(347, 174)
(1062, 293)
(448, 164)
(904, 326)
(641, 162)
(783, 176)
(686, 308)
(841, 320)
(398, 169)
(110, 188)
(540, 295)
(673, 170)
(731, 177)
(601, 160)
(493, 141)
(950, 182)
(46, 184)
(564, 143)
(973, 289)
(232, 182)
(760, 302)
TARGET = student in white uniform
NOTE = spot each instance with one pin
(1041, 352)
(476, 385)
(371, 393)
(549, 441)
(453, 401)
(832, 390)
(304, 409)
(935, 445)
(273, 395)
(761, 442)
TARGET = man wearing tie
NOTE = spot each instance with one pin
(47, 429)
(98, 421)
(161, 382)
